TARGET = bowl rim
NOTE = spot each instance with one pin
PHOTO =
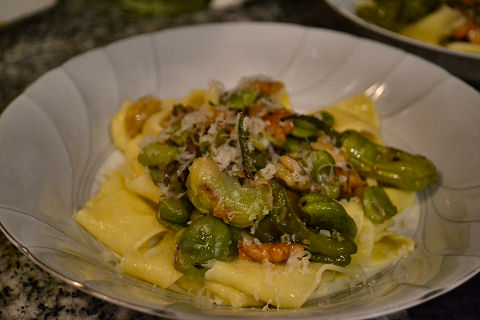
(397, 36)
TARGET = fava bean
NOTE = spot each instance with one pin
(327, 214)
(157, 154)
(175, 210)
(207, 238)
(294, 145)
(320, 163)
(376, 205)
(241, 99)
(304, 129)
(320, 124)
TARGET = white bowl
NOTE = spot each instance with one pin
(55, 136)
(462, 64)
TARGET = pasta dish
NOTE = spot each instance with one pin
(231, 195)
(454, 24)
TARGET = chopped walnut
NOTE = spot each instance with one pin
(272, 252)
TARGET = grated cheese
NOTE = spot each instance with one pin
(298, 261)
(269, 171)
(209, 264)
(268, 272)
(226, 155)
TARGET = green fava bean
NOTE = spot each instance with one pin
(175, 210)
(158, 175)
(327, 118)
(331, 190)
(320, 163)
(157, 154)
(388, 165)
(259, 160)
(196, 215)
(294, 145)
(207, 238)
(236, 234)
(169, 225)
(318, 123)
(179, 134)
(304, 129)
(328, 214)
(289, 222)
(239, 100)
(377, 206)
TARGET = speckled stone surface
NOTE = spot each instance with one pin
(35, 45)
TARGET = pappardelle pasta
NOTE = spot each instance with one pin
(230, 194)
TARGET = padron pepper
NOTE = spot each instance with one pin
(388, 165)
(252, 160)
(341, 260)
(267, 230)
(332, 249)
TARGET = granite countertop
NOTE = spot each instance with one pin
(32, 46)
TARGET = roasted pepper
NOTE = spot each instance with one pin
(288, 222)
(252, 160)
(388, 165)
